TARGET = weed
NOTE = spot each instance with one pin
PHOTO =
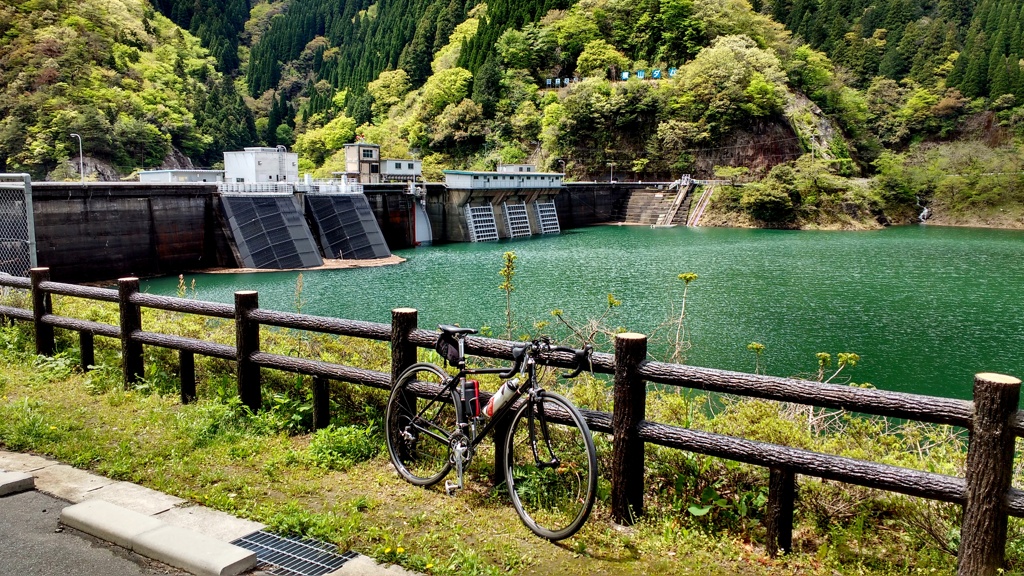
(338, 448)
(293, 519)
(55, 368)
(102, 378)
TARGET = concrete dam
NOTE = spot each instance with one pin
(100, 231)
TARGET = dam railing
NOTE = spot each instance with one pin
(993, 419)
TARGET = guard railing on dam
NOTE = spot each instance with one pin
(992, 418)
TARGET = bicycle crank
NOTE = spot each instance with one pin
(461, 454)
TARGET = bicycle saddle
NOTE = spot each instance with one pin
(455, 330)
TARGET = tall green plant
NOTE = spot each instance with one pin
(682, 342)
(508, 270)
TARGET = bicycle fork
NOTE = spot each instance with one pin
(541, 421)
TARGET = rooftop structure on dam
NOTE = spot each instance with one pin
(181, 175)
(502, 179)
(261, 166)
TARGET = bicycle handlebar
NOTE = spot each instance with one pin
(519, 353)
(582, 359)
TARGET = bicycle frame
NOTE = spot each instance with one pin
(453, 384)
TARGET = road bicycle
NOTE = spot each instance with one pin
(435, 422)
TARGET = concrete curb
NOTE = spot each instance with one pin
(193, 552)
(108, 522)
(152, 538)
(15, 482)
(150, 523)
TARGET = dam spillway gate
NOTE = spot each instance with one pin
(271, 230)
(346, 226)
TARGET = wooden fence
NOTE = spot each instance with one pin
(992, 418)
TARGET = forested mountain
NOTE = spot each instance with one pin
(131, 83)
(217, 23)
(859, 84)
(973, 46)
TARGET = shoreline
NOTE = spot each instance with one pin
(329, 264)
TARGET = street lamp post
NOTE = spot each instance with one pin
(81, 162)
(611, 172)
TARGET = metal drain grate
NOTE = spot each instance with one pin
(282, 556)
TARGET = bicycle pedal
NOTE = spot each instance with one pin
(450, 487)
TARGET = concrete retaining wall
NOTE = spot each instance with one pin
(392, 205)
(587, 203)
(102, 231)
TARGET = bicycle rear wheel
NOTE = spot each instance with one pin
(420, 420)
(551, 466)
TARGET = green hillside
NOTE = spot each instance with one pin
(860, 85)
(131, 83)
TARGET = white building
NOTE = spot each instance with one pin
(516, 168)
(261, 166)
(181, 176)
(399, 170)
(471, 180)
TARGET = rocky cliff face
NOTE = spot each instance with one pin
(759, 146)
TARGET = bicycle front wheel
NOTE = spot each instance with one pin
(420, 420)
(551, 466)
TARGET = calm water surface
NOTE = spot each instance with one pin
(924, 307)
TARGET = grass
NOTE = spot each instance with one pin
(337, 485)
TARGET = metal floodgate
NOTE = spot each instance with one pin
(346, 226)
(282, 556)
(270, 232)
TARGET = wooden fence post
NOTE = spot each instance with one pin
(41, 304)
(779, 520)
(87, 352)
(321, 402)
(247, 343)
(187, 375)
(403, 352)
(989, 471)
(628, 449)
(132, 365)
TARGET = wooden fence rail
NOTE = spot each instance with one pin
(992, 418)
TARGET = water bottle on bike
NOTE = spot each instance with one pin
(507, 390)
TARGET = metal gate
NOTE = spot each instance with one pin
(17, 225)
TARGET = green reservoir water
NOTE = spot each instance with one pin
(924, 307)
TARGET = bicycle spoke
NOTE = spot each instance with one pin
(553, 496)
(418, 429)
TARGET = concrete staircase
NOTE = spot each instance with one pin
(653, 207)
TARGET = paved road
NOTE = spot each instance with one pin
(30, 544)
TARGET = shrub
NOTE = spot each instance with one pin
(767, 204)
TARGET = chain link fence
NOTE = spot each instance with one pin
(17, 225)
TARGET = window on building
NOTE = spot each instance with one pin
(374, 168)
(368, 153)
(476, 177)
(239, 179)
(411, 166)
